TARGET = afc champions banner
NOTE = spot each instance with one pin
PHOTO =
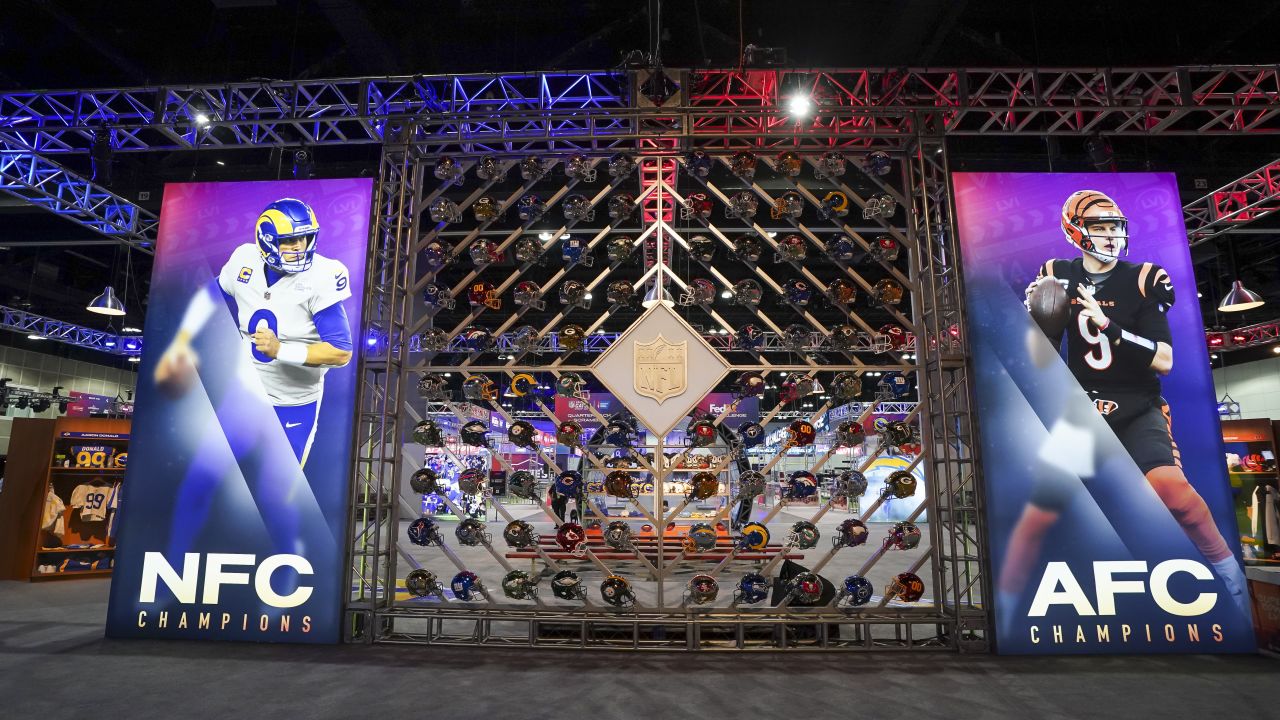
(1108, 506)
(240, 462)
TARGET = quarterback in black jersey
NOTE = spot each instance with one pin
(1118, 345)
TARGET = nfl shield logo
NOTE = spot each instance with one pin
(661, 368)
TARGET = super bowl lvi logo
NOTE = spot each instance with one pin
(661, 368)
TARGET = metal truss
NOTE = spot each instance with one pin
(598, 342)
(20, 321)
(1264, 333)
(1234, 205)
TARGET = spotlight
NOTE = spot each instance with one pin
(39, 405)
(587, 296)
(1213, 356)
(130, 329)
(132, 345)
(304, 164)
(1275, 349)
(545, 236)
(134, 359)
(799, 105)
(373, 340)
(726, 294)
(35, 336)
(109, 342)
(1100, 153)
(62, 406)
(201, 119)
(23, 401)
(101, 156)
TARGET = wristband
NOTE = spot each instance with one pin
(1112, 332)
(292, 353)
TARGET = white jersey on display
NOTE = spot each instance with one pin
(287, 307)
(92, 501)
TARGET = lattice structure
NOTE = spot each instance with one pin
(27, 323)
(1239, 202)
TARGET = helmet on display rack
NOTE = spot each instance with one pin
(618, 484)
(696, 205)
(700, 538)
(622, 206)
(490, 169)
(751, 434)
(749, 337)
(523, 434)
(747, 293)
(751, 484)
(856, 590)
(805, 588)
(803, 485)
(476, 339)
(749, 384)
(444, 210)
(523, 384)
(879, 206)
(699, 291)
(574, 294)
(471, 481)
(842, 292)
(578, 167)
(621, 165)
(790, 204)
(795, 338)
(466, 586)
(572, 338)
(795, 387)
(616, 591)
(577, 207)
(703, 589)
(903, 536)
(907, 587)
(569, 483)
(892, 336)
(530, 208)
(698, 163)
(526, 340)
(748, 249)
(517, 585)
(900, 484)
(433, 387)
(423, 583)
(475, 433)
(878, 163)
(569, 434)
(621, 293)
(846, 386)
(435, 256)
(752, 588)
(742, 205)
(841, 249)
(571, 538)
(743, 164)
(566, 586)
(796, 292)
(887, 292)
(428, 433)
(899, 432)
(1090, 207)
(850, 484)
(791, 249)
(850, 433)
(425, 531)
(571, 384)
(831, 165)
(893, 386)
(523, 484)
(885, 249)
(800, 433)
(448, 169)
(618, 536)
(703, 485)
(702, 248)
(471, 532)
(788, 164)
(755, 537)
(844, 338)
(483, 294)
(479, 387)
(527, 250)
(528, 293)
(701, 432)
(619, 432)
(436, 297)
(620, 248)
(519, 534)
(483, 252)
(485, 209)
(834, 204)
(531, 168)
(850, 533)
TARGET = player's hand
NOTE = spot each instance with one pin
(266, 342)
(1031, 286)
(1089, 308)
(178, 359)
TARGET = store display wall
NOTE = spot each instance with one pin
(1254, 385)
(41, 372)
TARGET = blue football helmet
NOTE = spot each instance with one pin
(803, 485)
(856, 590)
(286, 220)
(574, 250)
(841, 248)
(569, 483)
(752, 434)
(749, 337)
(425, 531)
(797, 292)
(752, 588)
(466, 586)
(893, 386)
(437, 297)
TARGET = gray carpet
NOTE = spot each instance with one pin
(54, 664)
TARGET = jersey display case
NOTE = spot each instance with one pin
(1251, 461)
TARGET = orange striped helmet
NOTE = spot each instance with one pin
(1091, 206)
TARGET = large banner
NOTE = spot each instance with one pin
(238, 476)
(1108, 506)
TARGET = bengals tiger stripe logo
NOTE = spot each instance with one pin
(1106, 407)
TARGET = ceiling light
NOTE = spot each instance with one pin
(35, 336)
(130, 329)
(1199, 294)
(106, 304)
(1275, 349)
(726, 294)
(564, 236)
(135, 359)
(1240, 299)
(545, 236)
(799, 105)
(587, 296)
(1213, 355)
(201, 119)
(219, 162)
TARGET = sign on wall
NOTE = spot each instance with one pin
(238, 477)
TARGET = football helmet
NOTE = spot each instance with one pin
(800, 433)
(700, 538)
(703, 485)
(571, 384)
(621, 165)
(422, 583)
(1090, 207)
(788, 164)
(572, 538)
(696, 205)
(569, 483)
(752, 588)
(622, 206)
(444, 210)
(618, 484)
(795, 337)
(618, 535)
(526, 340)
(742, 205)
(791, 249)
(749, 337)
(751, 434)
(287, 220)
(433, 387)
(519, 534)
(747, 293)
(842, 292)
(902, 536)
(523, 484)
(471, 481)
(578, 167)
(448, 169)
(467, 586)
(879, 206)
(698, 163)
(703, 589)
(887, 291)
(523, 434)
(701, 432)
(841, 248)
(436, 297)
(790, 204)
(846, 386)
(483, 294)
(751, 484)
(844, 338)
(856, 590)
(893, 386)
(566, 586)
(475, 433)
(885, 249)
(577, 207)
(893, 336)
(483, 252)
(803, 535)
(805, 588)
(831, 165)
(850, 433)
(620, 292)
(425, 531)
(523, 384)
(572, 338)
(796, 387)
(803, 485)
(477, 339)
(574, 294)
(434, 340)
(616, 591)
(528, 292)
(428, 433)
(620, 248)
(850, 533)
(530, 208)
(488, 168)
(748, 249)
(743, 164)
(517, 585)
(755, 537)
(907, 587)
(835, 204)
(569, 434)
(619, 432)
(479, 387)
(878, 163)
(797, 292)
(699, 291)
(748, 384)
(531, 168)
(435, 256)
(702, 248)
(900, 484)
(898, 432)
(485, 209)
(850, 484)
(527, 250)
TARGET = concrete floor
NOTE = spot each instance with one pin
(54, 663)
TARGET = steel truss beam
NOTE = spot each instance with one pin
(20, 321)
(1264, 333)
(1234, 205)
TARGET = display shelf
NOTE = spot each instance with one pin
(68, 574)
(56, 468)
(68, 551)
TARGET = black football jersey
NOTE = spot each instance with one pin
(1134, 296)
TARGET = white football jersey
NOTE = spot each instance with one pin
(92, 501)
(287, 308)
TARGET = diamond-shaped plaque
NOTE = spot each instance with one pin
(660, 369)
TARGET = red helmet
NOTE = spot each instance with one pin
(572, 538)
(483, 293)
(800, 433)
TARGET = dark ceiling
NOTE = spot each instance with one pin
(67, 43)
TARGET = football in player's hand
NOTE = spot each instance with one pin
(1049, 306)
(176, 371)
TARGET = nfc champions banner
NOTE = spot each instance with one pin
(238, 476)
(1108, 505)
